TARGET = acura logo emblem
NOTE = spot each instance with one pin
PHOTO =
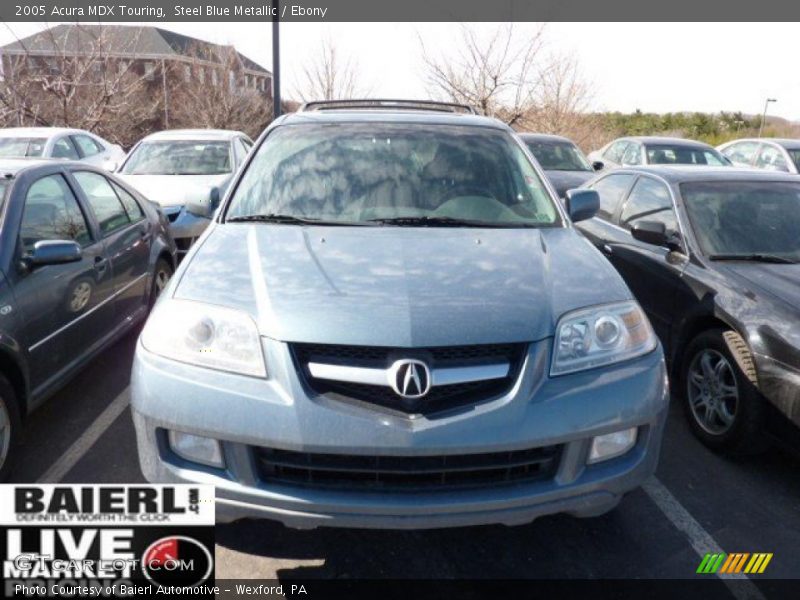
(410, 378)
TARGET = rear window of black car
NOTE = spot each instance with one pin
(360, 172)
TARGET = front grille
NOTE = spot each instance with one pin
(406, 473)
(439, 398)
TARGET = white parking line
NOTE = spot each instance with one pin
(739, 585)
(80, 446)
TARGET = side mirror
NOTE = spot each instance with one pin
(204, 203)
(54, 252)
(598, 165)
(582, 204)
(650, 232)
(110, 165)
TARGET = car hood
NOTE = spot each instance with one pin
(397, 286)
(174, 190)
(567, 180)
(781, 281)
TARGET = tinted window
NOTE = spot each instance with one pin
(22, 146)
(52, 213)
(794, 154)
(736, 217)
(105, 204)
(611, 190)
(182, 157)
(649, 200)
(633, 155)
(770, 157)
(87, 145)
(558, 156)
(129, 202)
(676, 154)
(63, 148)
(741, 152)
(615, 151)
(366, 171)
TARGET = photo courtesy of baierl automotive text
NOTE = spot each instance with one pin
(365, 299)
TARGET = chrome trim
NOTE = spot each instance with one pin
(86, 314)
(445, 376)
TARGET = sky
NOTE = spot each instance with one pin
(654, 67)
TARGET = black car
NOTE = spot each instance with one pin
(713, 256)
(82, 257)
(563, 162)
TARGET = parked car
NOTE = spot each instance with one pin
(392, 323)
(60, 142)
(82, 257)
(186, 171)
(764, 153)
(712, 256)
(563, 162)
(646, 150)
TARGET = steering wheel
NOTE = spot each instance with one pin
(466, 189)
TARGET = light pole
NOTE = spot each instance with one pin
(276, 65)
(764, 116)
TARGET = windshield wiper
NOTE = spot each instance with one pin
(766, 258)
(292, 220)
(425, 221)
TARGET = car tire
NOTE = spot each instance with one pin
(10, 424)
(161, 276)
(719, 386)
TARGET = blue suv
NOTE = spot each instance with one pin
(391, 322)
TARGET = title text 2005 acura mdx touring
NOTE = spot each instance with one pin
(392, 323)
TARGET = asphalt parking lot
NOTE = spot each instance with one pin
(698, 503)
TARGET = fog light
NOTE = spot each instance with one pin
(611, 445)
(196, 448)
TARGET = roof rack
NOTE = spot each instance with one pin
(431, 105)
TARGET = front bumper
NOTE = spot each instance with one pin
(184, 227)
(246, 413)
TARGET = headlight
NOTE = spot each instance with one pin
(205, 335)
(601, 335)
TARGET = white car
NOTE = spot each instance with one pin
(60, 142)
(187, 172)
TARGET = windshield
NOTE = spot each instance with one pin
(179, 158)
(745, 218)
(21, 146)
(365, 172)
(675, 154)
(558, 156)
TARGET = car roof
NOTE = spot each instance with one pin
(655, 139)
(9, 167)
(544, 137)
(194, 134)
(392, 116)
(677, 174)
(788, 143)
(37, 131)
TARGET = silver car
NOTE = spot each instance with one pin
(186, 171)
(391, 322)
(60, 142)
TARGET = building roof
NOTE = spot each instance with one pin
(131, 41)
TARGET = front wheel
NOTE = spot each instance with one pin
(721, 399)
(161, 276)
(9, 427)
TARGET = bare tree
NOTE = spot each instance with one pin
(79, 81)
(330, 76)
(561, 102)
(215, 94)
(497, 74)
